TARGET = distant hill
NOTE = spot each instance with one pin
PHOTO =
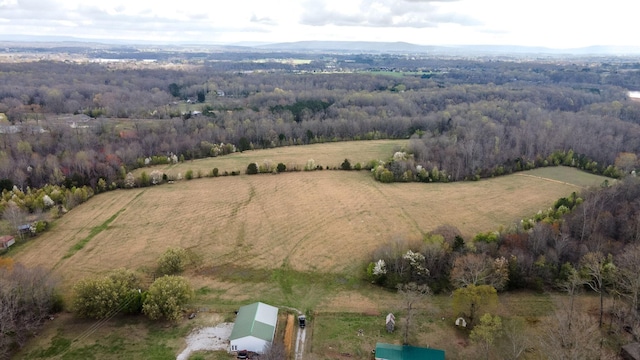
(321, 46)
(404, 47)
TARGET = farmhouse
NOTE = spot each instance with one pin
(254, 328)
(6, 241)
(406, 352)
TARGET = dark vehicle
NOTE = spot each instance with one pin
(242, 354)
(302, 320)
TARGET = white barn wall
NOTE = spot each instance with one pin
(249, 343)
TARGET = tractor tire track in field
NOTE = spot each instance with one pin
(403, 210)
(238, 226)
(95, 231)
(551, 180)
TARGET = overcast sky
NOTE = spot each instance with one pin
(548, 23)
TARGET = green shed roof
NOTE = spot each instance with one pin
(406, 352)
(257, 319)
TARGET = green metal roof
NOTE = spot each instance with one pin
(257, 320)
(406, 352)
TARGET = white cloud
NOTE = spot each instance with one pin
(553, 23)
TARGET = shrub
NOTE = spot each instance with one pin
(215, 172)
(102, 297)
(346, 165)
(281, 167)
(252, 169)
(165, 298)
(172, 261)
(189, 174)
(386, 176)
(145, 180)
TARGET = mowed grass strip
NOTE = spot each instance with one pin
(94, 231)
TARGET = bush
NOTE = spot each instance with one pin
(346, 165)
(189, 174)
(102, 297)
(172, 261)
(281, 167)
(215, 172)
(252, 169)
(165, 298)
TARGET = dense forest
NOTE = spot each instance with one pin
(470, 117)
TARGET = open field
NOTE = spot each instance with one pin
(327, 221)
(294, 239)
(327, 154)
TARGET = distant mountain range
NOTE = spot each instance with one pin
(329, 46)
(403, 47)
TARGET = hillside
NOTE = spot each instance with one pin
(327, 221)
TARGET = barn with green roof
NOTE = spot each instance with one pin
(406, 352)
(254, 328)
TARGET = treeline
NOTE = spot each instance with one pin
(464, 130)
(589, 242)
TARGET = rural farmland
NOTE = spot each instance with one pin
(285, 238)
(326, 221)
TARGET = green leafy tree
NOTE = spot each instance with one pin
(486, 332)
(172, 261)
(145, 179)
(174, 90)
(189, 174)
(472, 300)
(281, 168)
(252, 169)
(166, 297)
(244, 144)
(102, 297)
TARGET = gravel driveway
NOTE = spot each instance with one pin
(207, 338)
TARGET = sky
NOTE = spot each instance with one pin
(545, 23)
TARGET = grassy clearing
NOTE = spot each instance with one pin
(327, 154)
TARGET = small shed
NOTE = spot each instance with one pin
(254, 328)
(406, 352)
(6, 241)
(391, 322)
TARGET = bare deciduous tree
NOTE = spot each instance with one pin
(411, 294)
(274, 351)
(597, 270)
(26, 298)
(479, 269)
(580, 341)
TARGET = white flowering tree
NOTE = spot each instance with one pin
(129, 180)
(156, 177)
